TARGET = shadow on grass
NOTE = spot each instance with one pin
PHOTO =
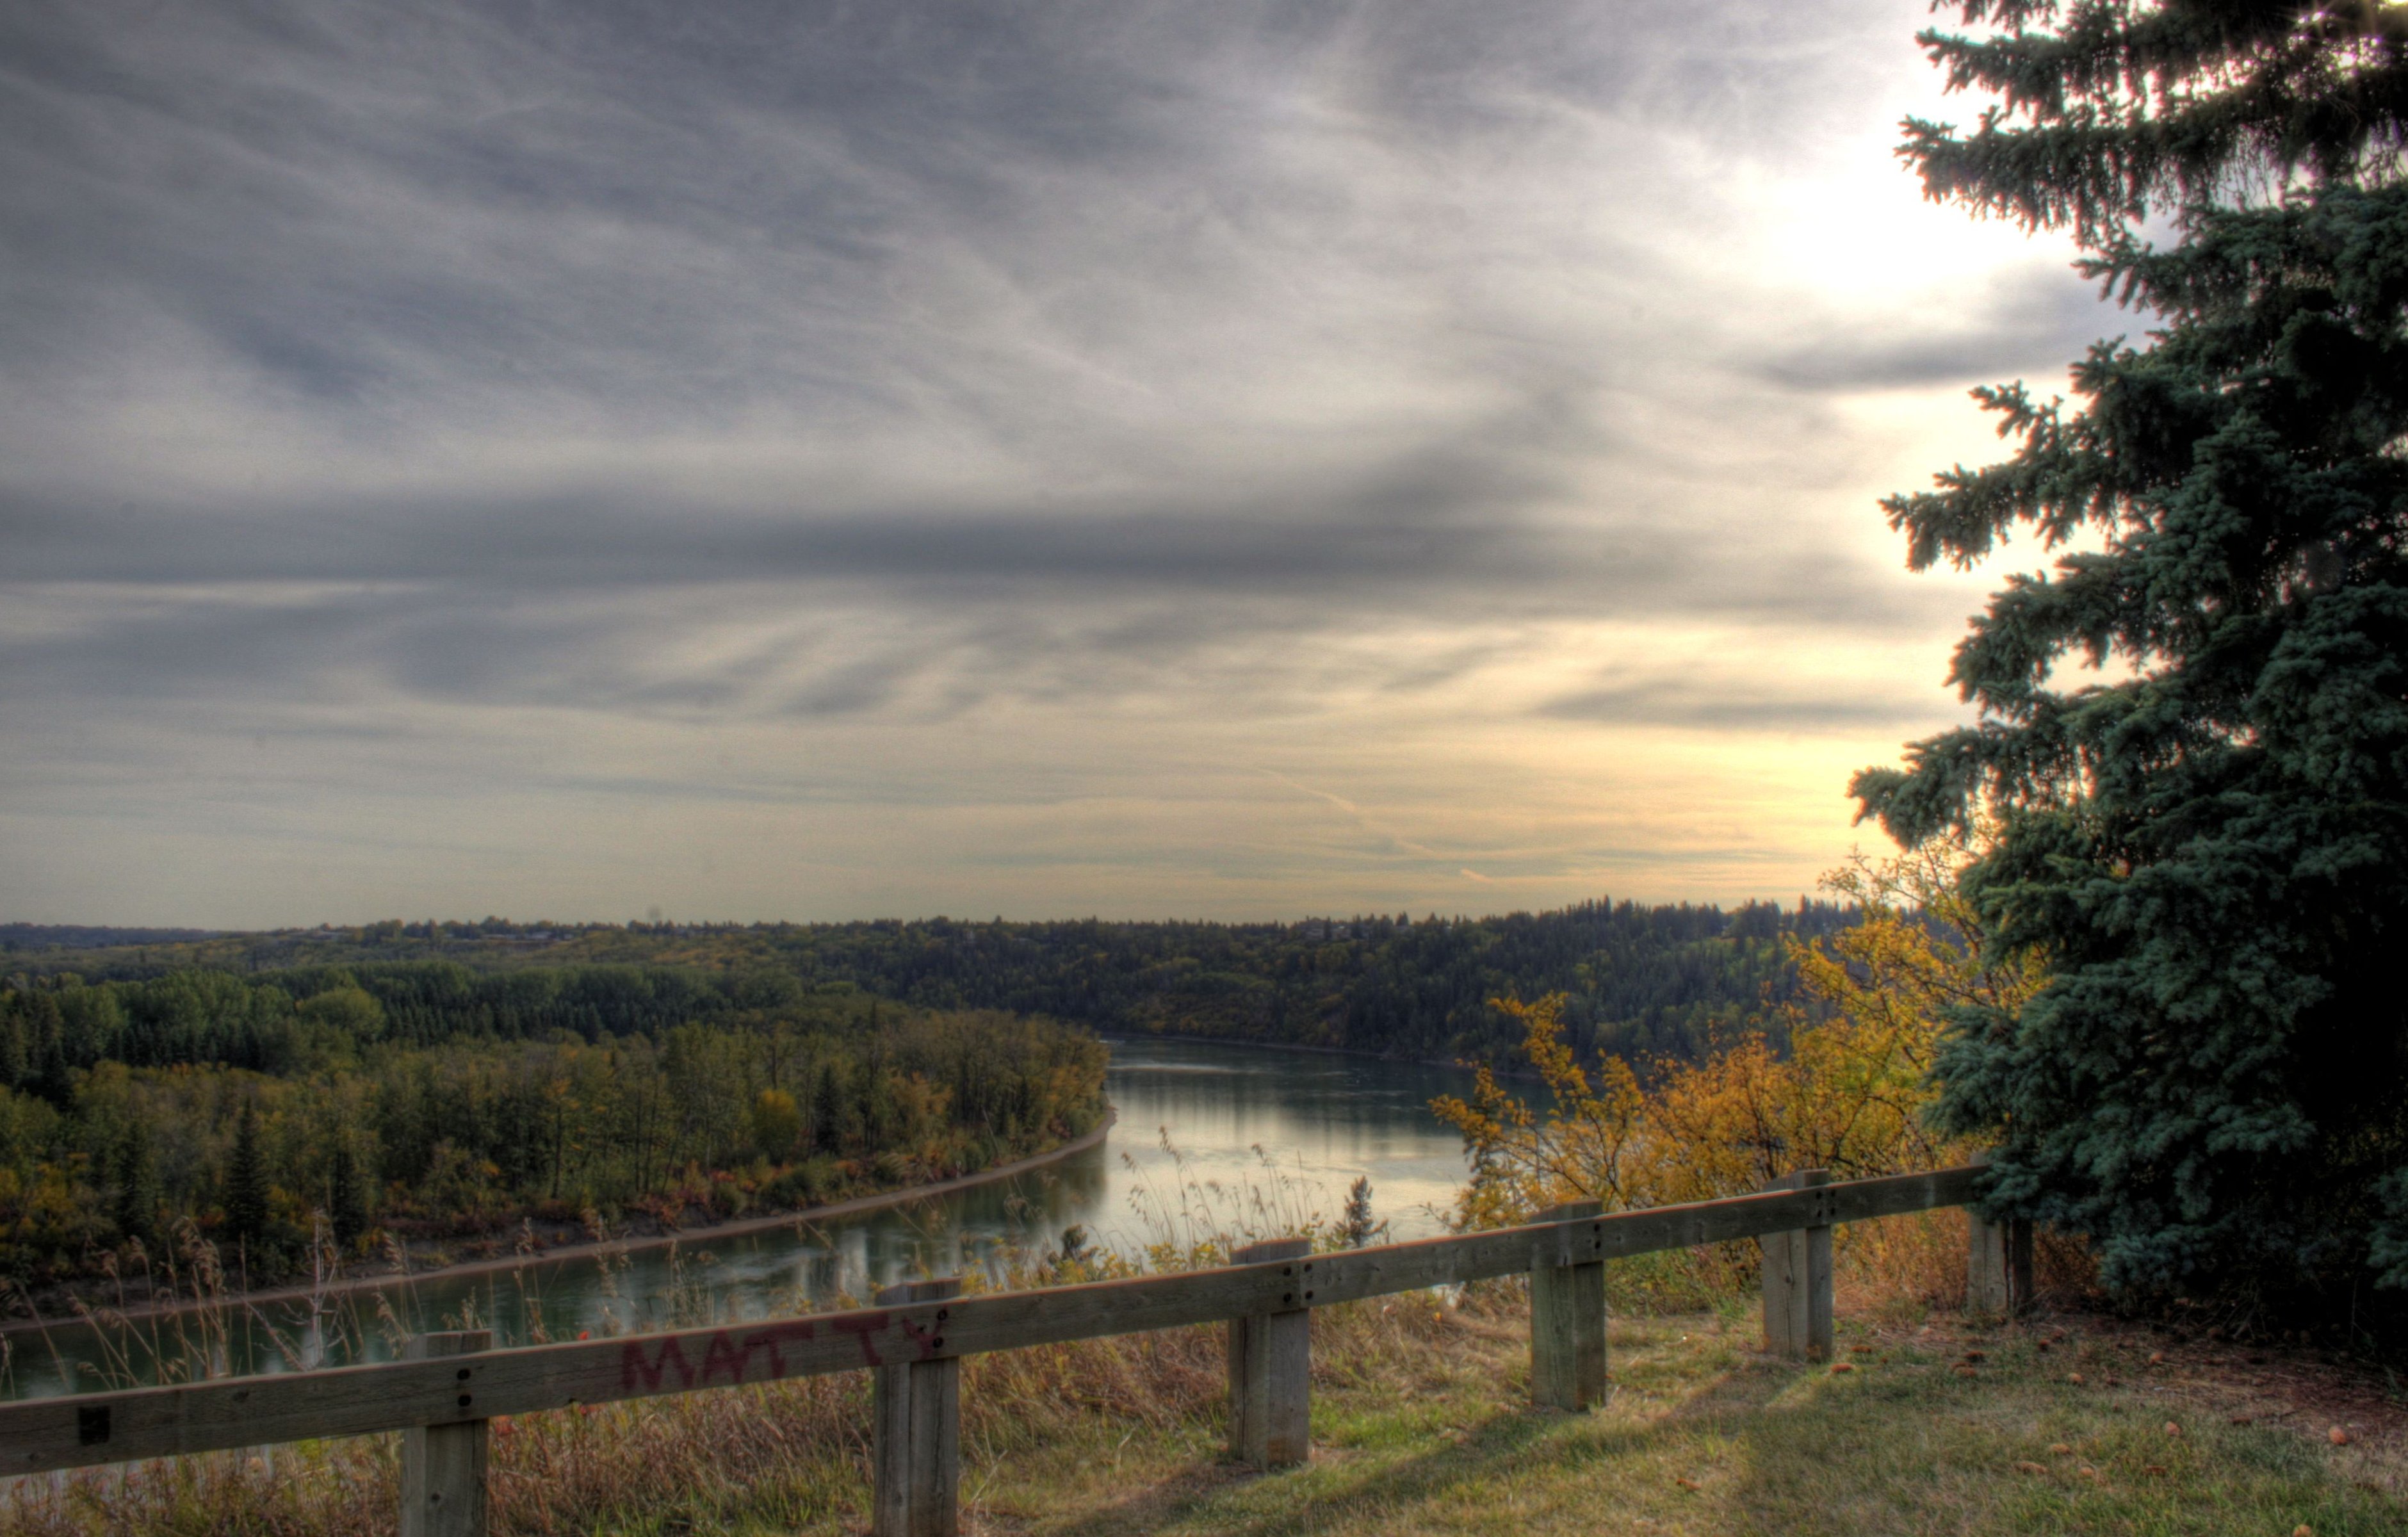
(1765, 1446)
(1499, 1447)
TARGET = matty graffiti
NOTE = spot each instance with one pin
(739, 1356)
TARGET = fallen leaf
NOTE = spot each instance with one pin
(1964, 1370)
(2060, 1449)
(2086, 1472)
(1861, 1350)
(2156, 1357)
(1843, 1366)
(2303, 1529)
(2153, 1470)
(1976, 1355)
(2029, 1468)
(2172, 1428)
(2338, 1436)
(1689, 1483)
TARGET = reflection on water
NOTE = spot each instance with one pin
(1210, 1137)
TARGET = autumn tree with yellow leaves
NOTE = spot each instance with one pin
(1847, 1094)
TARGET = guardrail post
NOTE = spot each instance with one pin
(916, 1433)
(1998, 1269)
(1797, 1281)
(1568, 1359)
(1270, 1366)
(443, 1466)
(1998, 1262)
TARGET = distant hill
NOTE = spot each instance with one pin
(90, 937)
(1639, 981)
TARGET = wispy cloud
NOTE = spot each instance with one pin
(871, 394)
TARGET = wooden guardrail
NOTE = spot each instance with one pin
(449, 1386)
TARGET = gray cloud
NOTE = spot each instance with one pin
(369, 371)
(1723, 703)
(2037, 325)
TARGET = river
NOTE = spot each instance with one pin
(1210, 1139)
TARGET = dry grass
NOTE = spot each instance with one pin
(1704, 1436)
(1421, 1425)
(774, 1458)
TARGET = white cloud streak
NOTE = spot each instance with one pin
(999, 456)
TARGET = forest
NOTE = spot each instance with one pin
(1639, 982)
(425, 1082)
(413, 1102)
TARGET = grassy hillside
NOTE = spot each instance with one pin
(1708, 1438)
(1421, 1426)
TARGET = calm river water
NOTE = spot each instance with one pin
(1210, 1139)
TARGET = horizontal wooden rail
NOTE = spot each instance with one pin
(82, 1430)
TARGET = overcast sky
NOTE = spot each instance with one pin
(816, 461)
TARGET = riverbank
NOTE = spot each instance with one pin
(565, 1249)
(1355, 1053)
(1422, 1426)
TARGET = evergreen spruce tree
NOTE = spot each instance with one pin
(828, 1112)
(16, 1062)
(2211, 851)
(135, 1178)
(347, 1198)
(245, 1182)
(46, 1047)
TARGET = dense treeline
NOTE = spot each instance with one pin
(427, 1099)
(88, 935)
(284, 1021)
(424, 1079)
(1640, 982)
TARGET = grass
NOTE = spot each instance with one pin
(1422, 1425)
(1705, 1436)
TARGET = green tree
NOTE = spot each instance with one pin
(134, 1205)
(47, 1051)
(245, 1182)
(774, 1125)
(350, 1012)
(347, 1198)
(1357, 1225)
(2210, 850)
(16, 1063)
(828, 1111)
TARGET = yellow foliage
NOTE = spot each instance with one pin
(1847, 1095)
(776, 1124)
